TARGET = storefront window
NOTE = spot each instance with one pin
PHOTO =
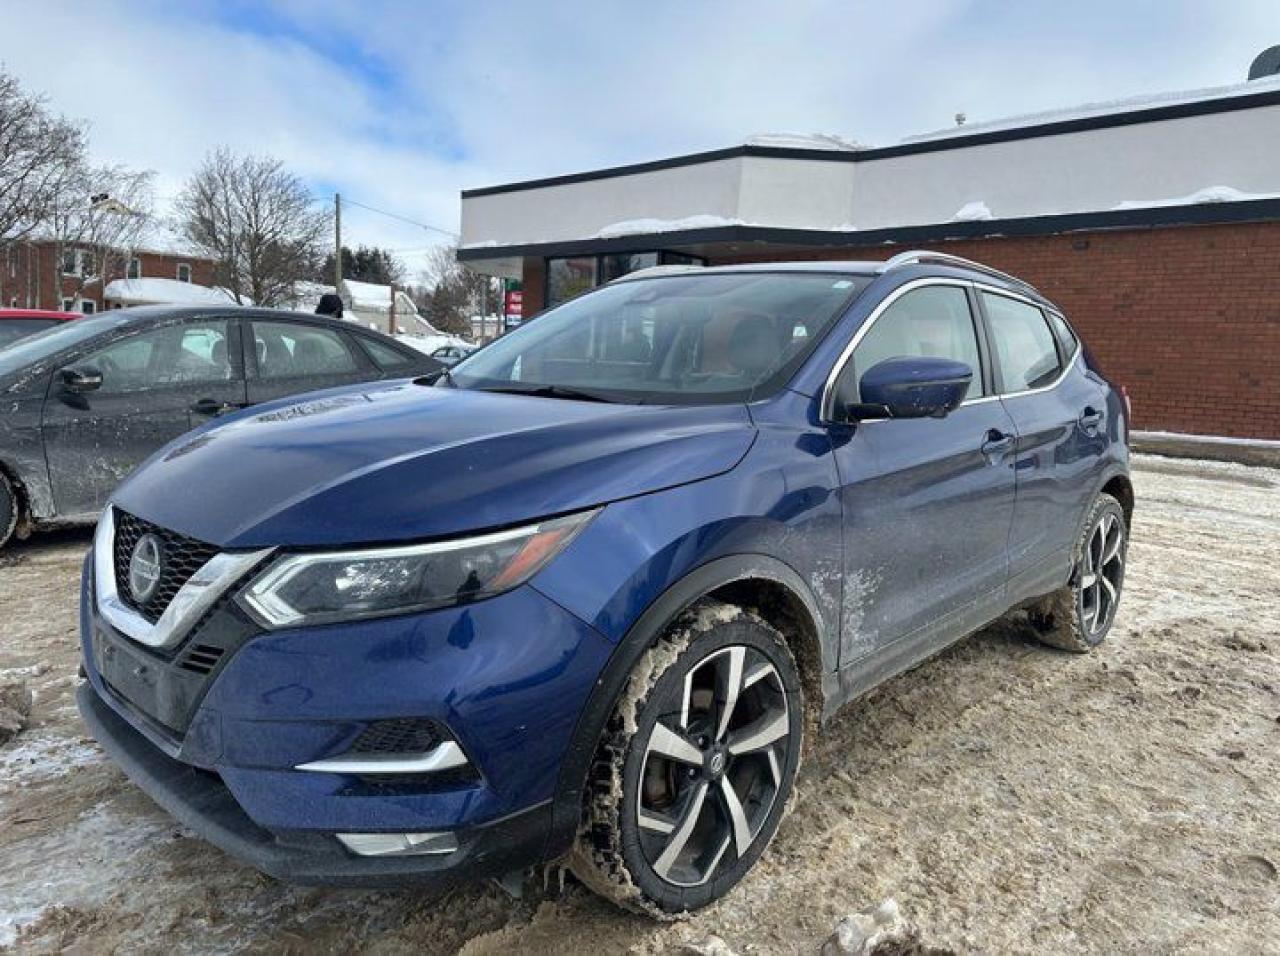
(617, 266)
(567, 278)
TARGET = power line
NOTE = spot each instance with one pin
(392, 215)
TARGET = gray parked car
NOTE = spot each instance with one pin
(86, 402)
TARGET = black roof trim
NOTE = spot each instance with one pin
(1255, 210)
(1152, 114)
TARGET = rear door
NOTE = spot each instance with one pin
(927, 502)
(156, 384)
(1059, 413)
(287, 357)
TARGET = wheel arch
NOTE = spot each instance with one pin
(761, 583)
(1120, 487)
(21, 501)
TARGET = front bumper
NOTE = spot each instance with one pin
(201, 801)
(507, 677)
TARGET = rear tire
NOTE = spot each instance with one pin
(692, 775)
(10, 509)
(1078, 617)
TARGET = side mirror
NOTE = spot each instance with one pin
(80, 380)
(912, 388)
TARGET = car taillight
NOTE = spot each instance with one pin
(1128, 410)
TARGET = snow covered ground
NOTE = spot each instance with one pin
(1009, 797)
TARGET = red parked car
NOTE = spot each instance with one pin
(19, 323)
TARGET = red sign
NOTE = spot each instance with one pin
(513, 307)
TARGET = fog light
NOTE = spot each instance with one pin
(398, 844)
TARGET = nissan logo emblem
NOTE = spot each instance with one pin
(145, 565)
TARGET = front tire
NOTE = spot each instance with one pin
(692, 776)
(1079, 616)
(9, 510)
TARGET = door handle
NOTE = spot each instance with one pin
(996, 443)
(211, 407)
(1090, 419)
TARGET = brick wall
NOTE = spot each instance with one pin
(27, 274)
(1188, 318)
(534, 284)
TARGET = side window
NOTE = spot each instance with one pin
(934, 321)
(293, 350)
(383, 355)
(1024, 345)
(1066, 338)
(187, 354)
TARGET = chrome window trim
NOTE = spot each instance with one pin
(193, 599)
(444, 756)
(829, 387)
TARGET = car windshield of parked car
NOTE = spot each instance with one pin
(716, 337)
(13, 329)
(40, 346)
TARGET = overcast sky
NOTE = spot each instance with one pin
(400, 104)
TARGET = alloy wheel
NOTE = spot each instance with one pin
(712, 770)
(1102, 574)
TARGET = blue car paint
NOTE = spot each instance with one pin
(880, 540)
(330, 460)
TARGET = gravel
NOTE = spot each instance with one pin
(1008, 797)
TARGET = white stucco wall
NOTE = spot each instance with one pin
(1090, 171)
(581, 210)
(1085, 171)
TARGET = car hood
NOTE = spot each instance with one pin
(401, 461)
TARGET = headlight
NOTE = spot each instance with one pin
(323, 588)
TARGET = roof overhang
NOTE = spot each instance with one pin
(745, 239)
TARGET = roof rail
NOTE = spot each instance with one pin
(916, 256)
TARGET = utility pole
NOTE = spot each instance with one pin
(392, 313)
(337, 243)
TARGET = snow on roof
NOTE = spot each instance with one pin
(1103, 108)
(640, 227)
(371, 297)
(802, 141)
(153, 291)
(1207, 195)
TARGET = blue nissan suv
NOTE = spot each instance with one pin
(583, 595)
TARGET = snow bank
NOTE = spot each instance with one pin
(429, 343)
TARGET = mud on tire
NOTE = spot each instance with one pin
(1079, 616)
(734, 789)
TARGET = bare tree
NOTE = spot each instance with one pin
(456, 293)
(96, 222)
(257, 220)
(39, 153)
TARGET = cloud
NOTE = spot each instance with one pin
(400, 104)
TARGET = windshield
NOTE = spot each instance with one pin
(64, 335)
(675, 339)
(13, 329)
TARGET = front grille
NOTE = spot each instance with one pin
(201, 658)
(181, 557)
(407, 735)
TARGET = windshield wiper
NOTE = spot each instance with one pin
(548, 391)
(436, 378)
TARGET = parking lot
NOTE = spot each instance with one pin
(1011, 798)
